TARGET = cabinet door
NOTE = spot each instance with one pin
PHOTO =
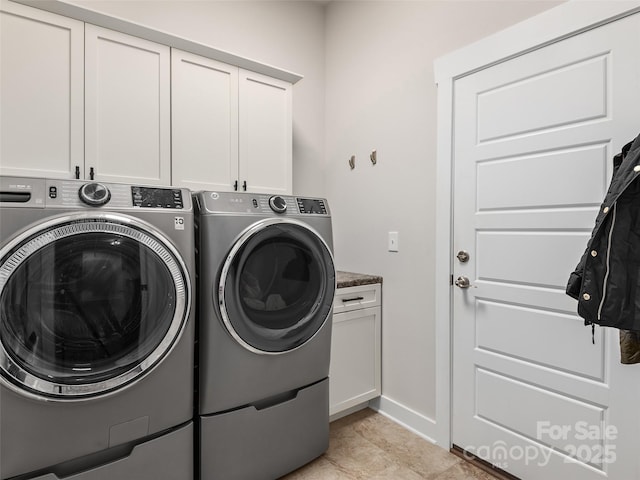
(41, 92)
(204, 122)
(127, 98)
(265, 133)
(355, 372)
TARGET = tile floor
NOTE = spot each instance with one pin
(367, 445)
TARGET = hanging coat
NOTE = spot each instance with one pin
(606, 281)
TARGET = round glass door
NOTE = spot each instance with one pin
(277, 286)
(87, 305)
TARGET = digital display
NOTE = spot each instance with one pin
(156, 197)
(310, 205)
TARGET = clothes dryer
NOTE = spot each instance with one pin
(266, 288)
(96, 330)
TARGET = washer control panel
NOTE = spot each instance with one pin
(54, 193)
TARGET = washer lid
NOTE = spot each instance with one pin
(88, 303)
(277, 286)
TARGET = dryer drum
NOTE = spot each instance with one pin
(87, 305)
(277, 286)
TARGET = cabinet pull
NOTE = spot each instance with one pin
(77, 172)
(244, 186)
(345, 300)
(91, 173)
(235, 186)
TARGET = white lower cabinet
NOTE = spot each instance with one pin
(355, 372)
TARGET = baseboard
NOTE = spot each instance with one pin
(348, 411)
(418, 423)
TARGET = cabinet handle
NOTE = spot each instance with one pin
(77, 172)
(235, 186)
(244, 185)
(345, 300)
(91, 173)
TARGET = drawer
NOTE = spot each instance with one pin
(353, 298)
(264, 444)
(167, 456)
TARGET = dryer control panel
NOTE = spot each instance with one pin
(262, 204)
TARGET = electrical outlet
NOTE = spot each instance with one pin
(393, 241)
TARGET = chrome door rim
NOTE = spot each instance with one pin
(244, 237)
(45, 233)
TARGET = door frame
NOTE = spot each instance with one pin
(563, 21)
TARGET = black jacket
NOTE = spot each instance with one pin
(606, 281)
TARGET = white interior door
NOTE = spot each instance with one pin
(533, 142)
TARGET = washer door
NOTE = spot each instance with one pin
(277, 286)
(88, 304)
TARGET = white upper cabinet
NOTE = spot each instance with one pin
(204, 116)
(127, 108)
(231, 128)
(41, 92)
(266, 144)
(81, 100)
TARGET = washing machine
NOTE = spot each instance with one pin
(96, 330)
(266, 286)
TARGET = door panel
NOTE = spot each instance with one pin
(41, 92)
(127, 102)
(534, 137)
(204, 122)
(527, 173)
(567, 93)
(534, 325)
(265, 121)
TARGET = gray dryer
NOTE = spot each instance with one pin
(266, 288)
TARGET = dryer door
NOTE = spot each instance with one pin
(277, 286)
(88, 304)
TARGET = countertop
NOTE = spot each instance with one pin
(350, 279)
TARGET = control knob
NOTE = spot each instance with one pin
(94, 194)
(278, 204)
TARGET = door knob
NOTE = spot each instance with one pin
(463, 256)
(463, 282)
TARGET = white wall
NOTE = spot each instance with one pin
(286, 34)
(380, 94)
(368, 84)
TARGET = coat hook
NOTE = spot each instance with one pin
(374, 157)
(352, 162)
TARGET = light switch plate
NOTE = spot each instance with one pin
(393, 241)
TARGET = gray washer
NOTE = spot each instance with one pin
(266, 288)
(96, 329)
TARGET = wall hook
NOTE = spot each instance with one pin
(352, 162)
(374, 157)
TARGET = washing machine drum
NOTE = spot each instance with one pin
(88, 305)
(277, 286)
